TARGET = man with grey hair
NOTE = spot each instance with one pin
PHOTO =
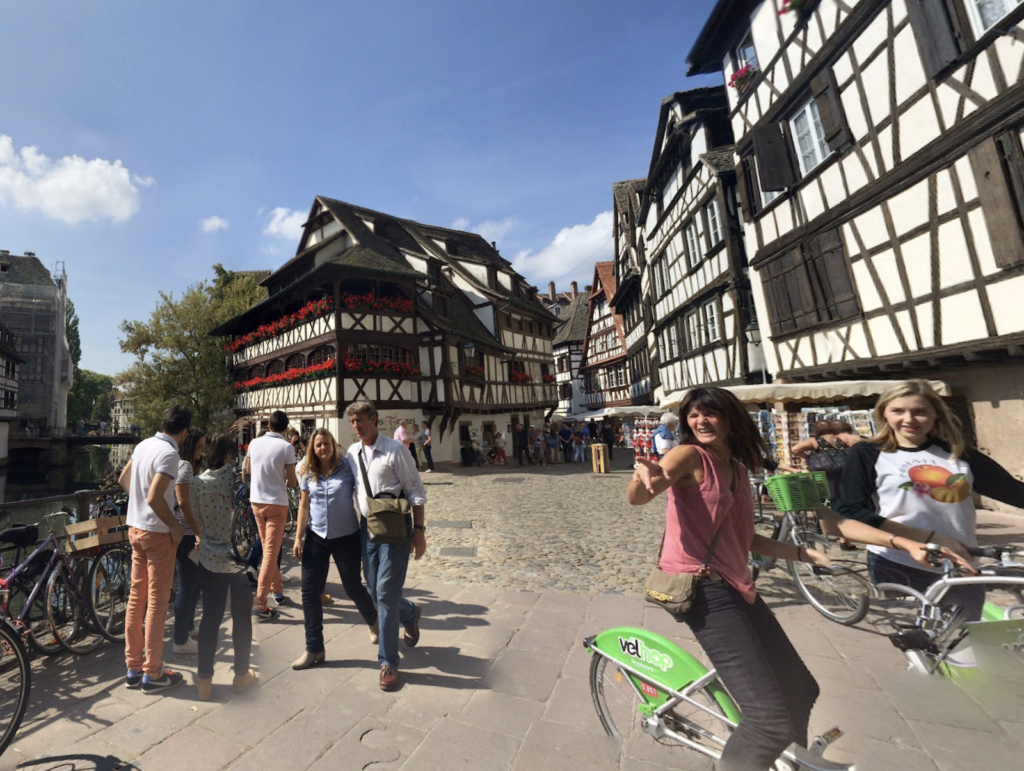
(389, 470)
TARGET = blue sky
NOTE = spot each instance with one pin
(140, 143)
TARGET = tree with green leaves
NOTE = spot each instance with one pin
(72, 333)
(177, 361)
(89, 398)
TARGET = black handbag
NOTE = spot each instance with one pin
(826, 458)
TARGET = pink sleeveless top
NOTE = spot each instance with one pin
(693, 515)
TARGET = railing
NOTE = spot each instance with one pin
(82, 505)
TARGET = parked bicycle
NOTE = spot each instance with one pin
(15, 682)
(641, 682)
(56, 601)
(243, 525)
(840, 592)
(931, 643)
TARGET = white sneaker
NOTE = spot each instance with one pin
(191, 646)
(428, 471)
(285, 579)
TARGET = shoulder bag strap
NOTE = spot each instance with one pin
(366, 479)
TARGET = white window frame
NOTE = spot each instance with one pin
(712, 328)
(818, 147)
(978, 23)
(673, 342)
(694, 338)
(741, 61)
(693, 251)
(714, 215)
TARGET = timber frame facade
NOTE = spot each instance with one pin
(605, 374)
(568, 352)
(696, 262)
(881, 179)
(426, 322)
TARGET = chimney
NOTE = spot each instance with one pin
(575, 288)
(5, 253)
(551, 291)
(588, 289)
(30, 254)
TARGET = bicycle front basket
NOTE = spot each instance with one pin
(798, 492)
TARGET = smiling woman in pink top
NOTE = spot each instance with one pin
(706, 481)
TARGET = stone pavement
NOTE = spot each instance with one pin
(499, 680)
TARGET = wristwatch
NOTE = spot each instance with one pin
(420, 527)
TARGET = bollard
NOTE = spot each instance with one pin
(598, 456)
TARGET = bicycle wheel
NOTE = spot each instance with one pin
(67, 608)
(15, 683)
(38, 631)
(110, 582)
(838, 593)
(616, 703)
(243, 533)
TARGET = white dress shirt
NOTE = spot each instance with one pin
(390, 470)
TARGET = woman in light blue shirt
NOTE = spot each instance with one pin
(328, 527)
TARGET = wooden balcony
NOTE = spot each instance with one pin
(293, 337)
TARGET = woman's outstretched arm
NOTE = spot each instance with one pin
(651, 479)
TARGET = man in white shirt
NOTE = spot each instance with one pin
(154, 534)
(405, 434)
(271, 462)
(389, 469)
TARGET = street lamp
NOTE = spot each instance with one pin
(755, 353)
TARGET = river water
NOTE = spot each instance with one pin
(26, 482)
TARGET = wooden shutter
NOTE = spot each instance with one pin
(743, 180)
(774, 160)
(939, 34)
(1001, 209)
(830, 109)
(830, 273)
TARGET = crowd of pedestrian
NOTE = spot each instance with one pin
(181, 485)
(564, 442)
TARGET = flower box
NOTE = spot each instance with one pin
(381, 368)
(294, 375)
(311, 310)
(370, 302)
(472, 371)
(520, 377)
(742, 78)
(548, 378)
(794, 6)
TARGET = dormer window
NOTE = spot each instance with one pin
(434, 271)
(492, 277)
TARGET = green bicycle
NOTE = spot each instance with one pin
(641, 682)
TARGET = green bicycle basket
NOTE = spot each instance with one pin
(798, 492)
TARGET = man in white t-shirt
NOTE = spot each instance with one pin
(271, 462)
(154, 534)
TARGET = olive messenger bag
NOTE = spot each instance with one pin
(387, 514)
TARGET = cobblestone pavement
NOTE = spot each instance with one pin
(500, 678)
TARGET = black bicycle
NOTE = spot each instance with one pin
(243, 526)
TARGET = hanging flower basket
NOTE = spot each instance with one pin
(370, 302)
(520, 377)
(308, 312)
(294, 375)
(399, 369)
(742, 78)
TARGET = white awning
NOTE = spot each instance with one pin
(834, 390)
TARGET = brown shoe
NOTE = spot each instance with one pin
(388, 678)
(326, 599)
(412, 633)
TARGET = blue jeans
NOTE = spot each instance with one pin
(187, 598)
(385, 566)
(256, 558)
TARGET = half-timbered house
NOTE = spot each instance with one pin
(696, 262)
(882, 184)
(604, 370)
(630, 301)
(568, 352)
(428, 323)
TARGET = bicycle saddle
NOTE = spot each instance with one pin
(20, 535)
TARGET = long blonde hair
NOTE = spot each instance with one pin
(313, 469)
(947, 428)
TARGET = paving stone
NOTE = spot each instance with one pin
(546, 633)
(883, 756)
(489, 636)
(372, 743)
(935, 700)
(497, 712)
(170, 713)
(611, 610)
(193, 747)
(957, 747)
(69, 726)
(525, 674)
(555, 747)
(455, 745)
(571, 704)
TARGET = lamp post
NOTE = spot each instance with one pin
(755, 353)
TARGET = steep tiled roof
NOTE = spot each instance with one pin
(606, 272)
(575, 327)
(621, 191)
(720, 160)
(24, 270)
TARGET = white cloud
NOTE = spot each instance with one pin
(285, 223)
(571, 254)
(143, 181)
(70, 189)
(490, 230)
(213, 224)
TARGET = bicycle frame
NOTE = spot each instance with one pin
(56, 557)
